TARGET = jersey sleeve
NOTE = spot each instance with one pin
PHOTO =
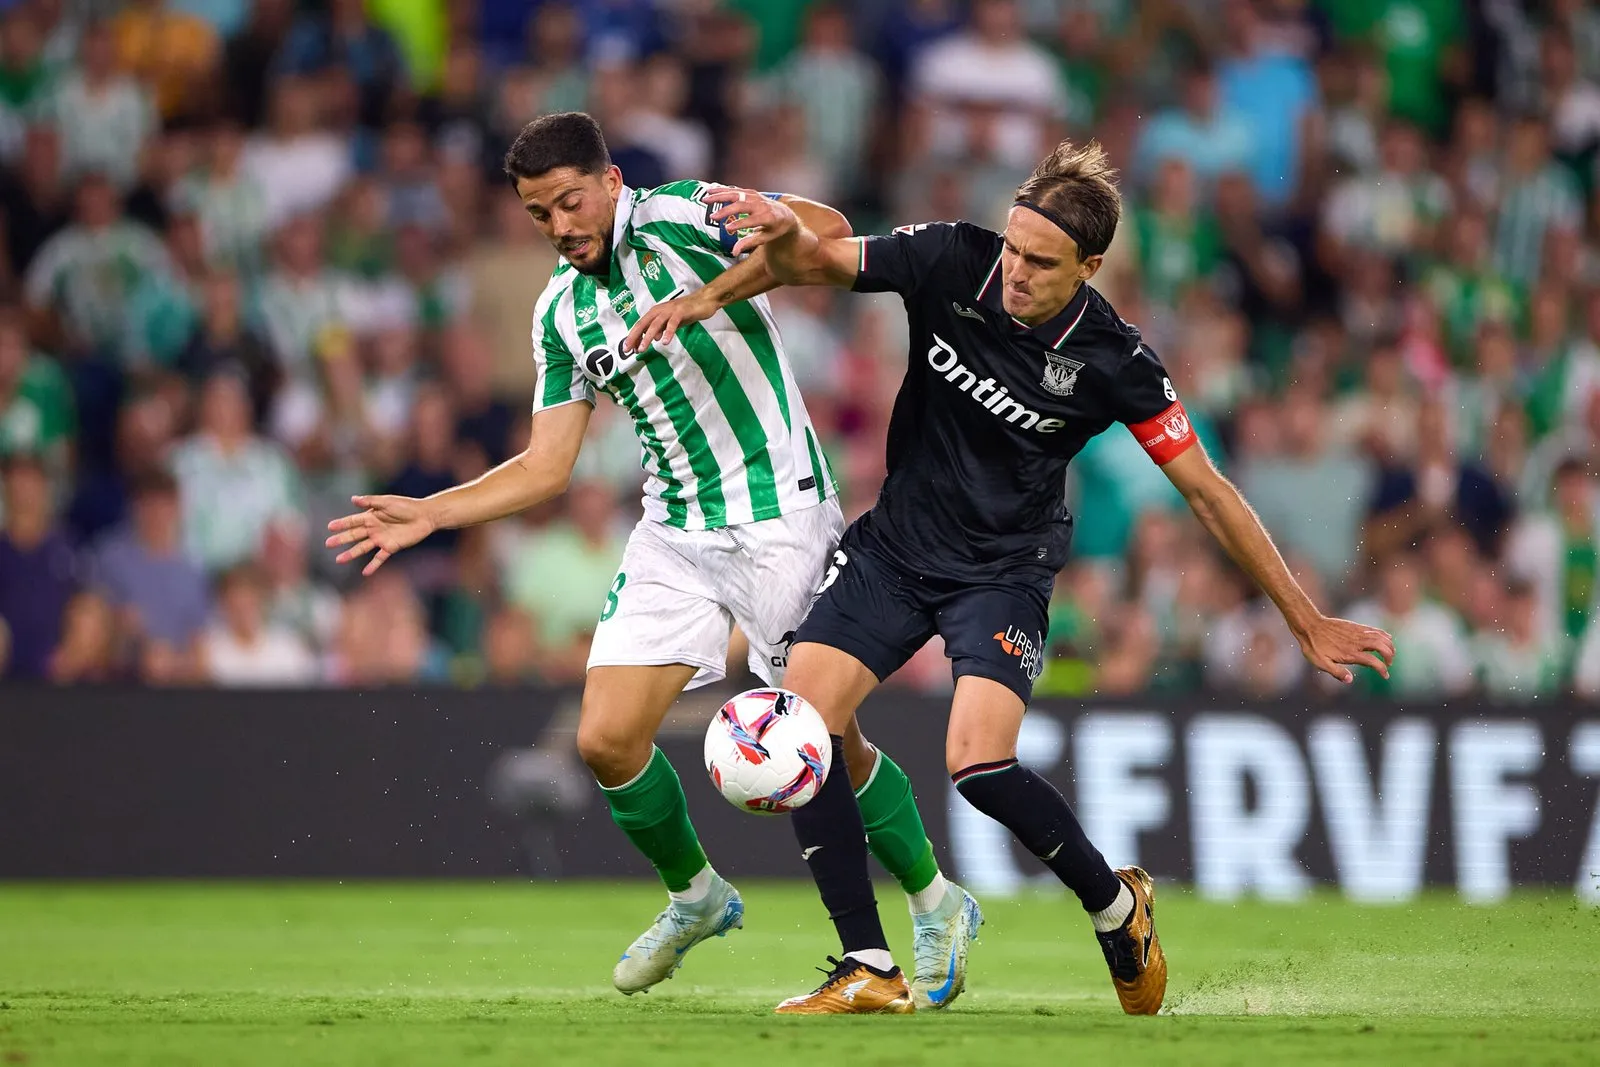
(556, 377)
(901, 261)
(678, 213)
(1143, 400)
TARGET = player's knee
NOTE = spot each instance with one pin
(612, 753)
(963, 750)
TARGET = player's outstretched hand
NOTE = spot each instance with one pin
(664, 320)
(388, 524)
(1330, 644)
(761, 220)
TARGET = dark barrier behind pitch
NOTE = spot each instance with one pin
(1238, 798)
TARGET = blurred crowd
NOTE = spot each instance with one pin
(257, 256)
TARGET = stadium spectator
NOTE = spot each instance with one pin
(560, 575)
(79, 284)
(510, 649)
(172, 52)
(103, 117)
(37, 415)
(296, 601)
(1571, 100)
(384, 637)
(25, 77)
(987, 93)
(234, 482)
(142, 437)
(157, 594)
(36, 200)
(301, 302)
(229, 201)
(1536, 195)
(1557, 550)
(221, 340)
(1392, 210)
(1438, 661)
(1204, 132)
(483, 420)
(38, 571)
(249, 56)
(1420, 45)
(241, 648)
(1274, 90)
(1177, 243)
(838, 90)
(300, 168)
(345, 38)
(1437, 487)
(1517, 661)
(1309, 491)
(496, 270)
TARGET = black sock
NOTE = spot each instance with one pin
(833, 842)
(1040, 817)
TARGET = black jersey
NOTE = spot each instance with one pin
(991, 410)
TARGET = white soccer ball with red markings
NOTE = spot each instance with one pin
(768, 751)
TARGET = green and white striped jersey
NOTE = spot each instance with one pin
(724, 433)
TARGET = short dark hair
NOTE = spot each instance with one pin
(565, 139)
(1080, 186)
(1570, 466)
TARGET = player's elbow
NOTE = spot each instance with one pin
(1209, 497)
(832, 223)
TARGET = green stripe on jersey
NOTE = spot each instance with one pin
(757, 334)
(730, 397)
(621, 387)
(558, 373)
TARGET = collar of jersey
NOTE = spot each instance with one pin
(621, 229)
(1053, 332)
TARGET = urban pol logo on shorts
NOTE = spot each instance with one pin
(1017, 643)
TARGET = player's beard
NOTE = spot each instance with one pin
(599, 266)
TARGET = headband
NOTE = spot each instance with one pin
(1084, 250)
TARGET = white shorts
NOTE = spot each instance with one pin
(679, 592)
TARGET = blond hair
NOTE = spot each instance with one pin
(1078, 185)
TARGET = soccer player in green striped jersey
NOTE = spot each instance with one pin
(650, 307)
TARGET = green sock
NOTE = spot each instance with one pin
(894, 829)
(652, 811)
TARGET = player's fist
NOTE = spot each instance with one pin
(756, 219)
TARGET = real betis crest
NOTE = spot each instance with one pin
(650, 264)
(1060, 373)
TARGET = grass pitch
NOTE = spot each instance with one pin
(440, 974)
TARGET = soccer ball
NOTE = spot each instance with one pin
(768, 751)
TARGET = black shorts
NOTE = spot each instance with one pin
(881, 613)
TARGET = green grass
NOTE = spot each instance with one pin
(443, 974)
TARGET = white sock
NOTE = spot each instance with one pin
(699, 886)
(930, 897)
(1116, 914)
(876, 958)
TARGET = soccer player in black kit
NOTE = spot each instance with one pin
(1015, 362)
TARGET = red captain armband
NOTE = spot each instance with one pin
(1165, 437)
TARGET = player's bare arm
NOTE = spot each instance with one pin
(388, 524)
(1330, 644)
(796, 252)
(745, 279)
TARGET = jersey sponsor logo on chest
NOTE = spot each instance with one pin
(986, 392)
